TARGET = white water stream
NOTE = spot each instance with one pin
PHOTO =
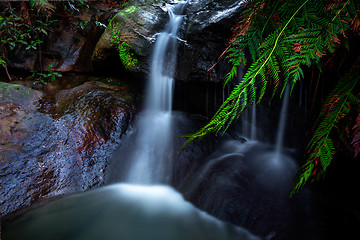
(282, 124)
(151, 160)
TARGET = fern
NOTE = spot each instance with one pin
(244, 93)
(321, 147)
(280, 41)
(356, 136)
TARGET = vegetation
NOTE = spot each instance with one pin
(18, 30)
(277, 41)
(127, 57)
(25, 24)
(125, 53)
(44, 77)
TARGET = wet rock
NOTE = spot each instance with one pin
(202, 38)
(207, 33)
(13, 111)
(245, 184)
(136, 25)
(57, 143)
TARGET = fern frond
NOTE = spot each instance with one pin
(279, 43)
(244, 93)
(356, 136)
(321, 147)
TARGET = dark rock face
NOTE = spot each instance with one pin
(136, 25)
(69, 44)
(207, 33)
(241, 183)
(203, 36)
(56, 144)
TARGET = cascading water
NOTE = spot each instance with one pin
(253, 121)
(151, 161)
(282, 124)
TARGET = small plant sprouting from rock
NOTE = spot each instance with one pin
(45, 77)
(126, 53)
(127, 57)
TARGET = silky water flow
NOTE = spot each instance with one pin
(151, 161)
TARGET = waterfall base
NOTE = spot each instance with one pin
(121, 211)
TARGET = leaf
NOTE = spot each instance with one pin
(2, 63)
(356, 136)
(321, 148)
(43, 31)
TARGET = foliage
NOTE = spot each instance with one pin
(126, 53)
(321, 148)
(127, 58)
(276, 40)
(115, 4)
(19, 32)
(356, 136)
(45, 77)
(25, 24)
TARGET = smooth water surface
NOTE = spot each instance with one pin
(121, 211)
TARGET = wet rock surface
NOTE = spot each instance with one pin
(82, 44)
(203, 36)
(137, 25)
(57, 143)
(239, 183)
(207, 33)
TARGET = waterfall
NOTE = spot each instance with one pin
(282, 123)
(245, 124)
(248, 123)
(151, 160)
(253, 121)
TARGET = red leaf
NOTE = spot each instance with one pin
(356, 136)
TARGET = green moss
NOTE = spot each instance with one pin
(127, 57)
(126, 53)
(129, 10)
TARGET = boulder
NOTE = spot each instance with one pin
(136, 25)
(207, 33)
(57, 143)
(246, 184)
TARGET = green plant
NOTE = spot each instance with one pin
(82, 24)
(276, 40)
(126, 53)
(45, 77)
(127, 57)
(20, 29)
(336, 109)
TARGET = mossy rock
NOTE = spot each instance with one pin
(135, 25)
